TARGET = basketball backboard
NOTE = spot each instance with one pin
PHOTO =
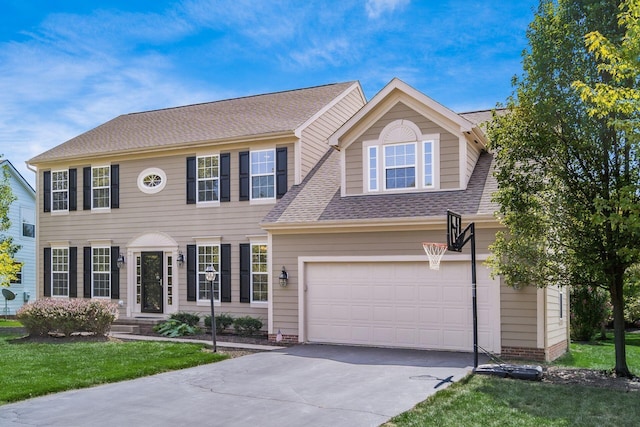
(455, 234)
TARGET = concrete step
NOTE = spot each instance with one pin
(125, 329)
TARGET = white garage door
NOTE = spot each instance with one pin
(400, 304)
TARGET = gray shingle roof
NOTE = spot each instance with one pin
(227, 119)
(318, 198)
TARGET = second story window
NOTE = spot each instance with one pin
(400, 166)
(28, 222)
(60, 190)
(263, 174)
(208, 178)
(100, 187)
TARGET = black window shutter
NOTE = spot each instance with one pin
(191, 181)
(225, 273)
(225, 177)
(281, 171)
(73, 189)
(115, 186)
(191, 272)
(46, 194)
(87, 271)
(86, 188)
(244, 175)
(47, 272)
(73, 272)
(245, 272)
(115, 273)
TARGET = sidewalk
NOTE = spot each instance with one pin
(223, 344)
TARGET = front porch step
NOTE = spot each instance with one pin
(136, 325)
(125, 329)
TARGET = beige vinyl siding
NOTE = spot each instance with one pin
(449, 151)
(519, 319)
(291, 247)
(314, 137)
(473, 153)
(556, 326)
(165, 212)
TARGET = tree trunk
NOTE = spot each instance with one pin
(617, 299)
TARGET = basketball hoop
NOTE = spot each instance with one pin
(434, 251)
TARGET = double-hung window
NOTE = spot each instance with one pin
(28, 222)
(60, 272)
(259, 273)
(101, 187)
(400, 166)
(208, 255)
(263, 174)
(60, 191)
(101, 271)
(208, 178)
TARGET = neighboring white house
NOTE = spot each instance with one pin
(22, 214)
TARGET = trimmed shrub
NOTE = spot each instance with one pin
(589, 312)
(67, 316)
(191, 319)
(223, 321)
(247, 325)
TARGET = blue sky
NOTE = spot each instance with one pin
(68, 66)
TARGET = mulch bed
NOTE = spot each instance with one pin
(590, 378)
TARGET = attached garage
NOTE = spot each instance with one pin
(398, 304)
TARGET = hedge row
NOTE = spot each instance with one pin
(67, 316)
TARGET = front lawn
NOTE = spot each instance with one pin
(35, 369)
(490, 401)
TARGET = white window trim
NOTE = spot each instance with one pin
(258, 200)
(93, 272)
(52, 271)
(203, 203)
(383, 159)
(152, 171)
(254, 242)
(23, 211)
(53, 210)
(107, 208)
(207, 241)
(434, 139)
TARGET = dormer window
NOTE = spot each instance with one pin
(401, 159)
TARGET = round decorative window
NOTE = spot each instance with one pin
(152, 180)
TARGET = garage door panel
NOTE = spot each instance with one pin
(399, 304)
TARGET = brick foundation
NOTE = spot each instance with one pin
(523, 353)
(286, 339)
(557, 350)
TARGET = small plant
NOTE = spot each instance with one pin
(223, 321)
(191, 319)
(247, 325)
(175, 328)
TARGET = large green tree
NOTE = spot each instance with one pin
(8, 266)
(568, 169)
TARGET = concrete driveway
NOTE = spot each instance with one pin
(306, 385)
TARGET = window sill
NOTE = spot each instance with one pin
(203, 303)
(259, 304)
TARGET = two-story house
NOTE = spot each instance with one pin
(22, 215)
(136, 209)
(315, 185)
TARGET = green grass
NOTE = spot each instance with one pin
(33, 369)
(490, 401)
(6, 323)
(601, 354)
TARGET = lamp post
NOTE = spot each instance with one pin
(210, 275)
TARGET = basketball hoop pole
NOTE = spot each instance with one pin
(456, 243)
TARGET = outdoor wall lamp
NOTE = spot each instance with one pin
(180, 259)
(120, 261)
(284, 277)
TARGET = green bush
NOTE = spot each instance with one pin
(176, 328)
(223, 321)
(589, 312)
(67, 316)
(191, 319)
(247, 325)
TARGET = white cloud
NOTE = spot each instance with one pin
(375, 8)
